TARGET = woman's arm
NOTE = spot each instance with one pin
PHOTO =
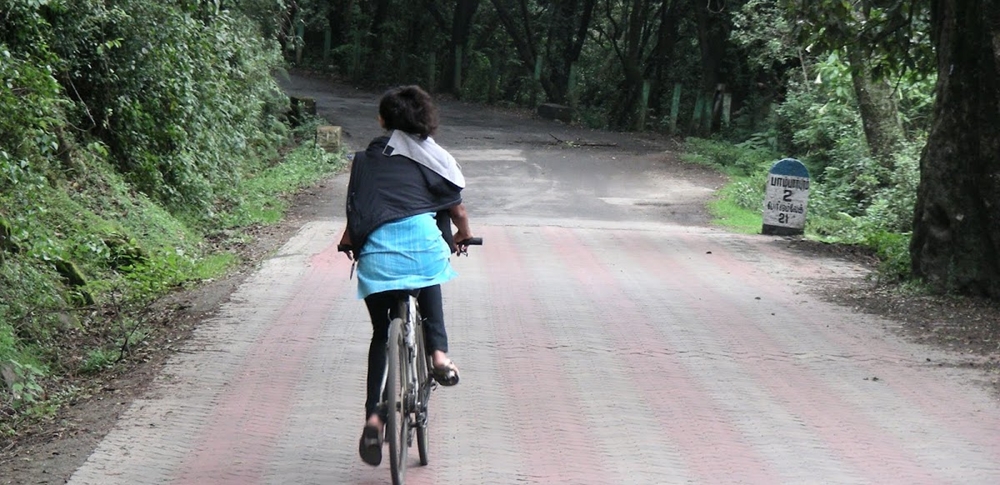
(461, 221)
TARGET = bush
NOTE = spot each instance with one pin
(127, 130)
(893, 251)
(751, 158)
(818, 123)
(179, 96)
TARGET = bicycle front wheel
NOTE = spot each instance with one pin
(397, 423)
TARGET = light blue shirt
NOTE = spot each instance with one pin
(403, 255)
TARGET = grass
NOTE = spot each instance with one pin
(738, 205)
(262, 196)
(727, 214)
(98, 360)
(213, 265)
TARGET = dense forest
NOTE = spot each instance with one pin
(135, 133)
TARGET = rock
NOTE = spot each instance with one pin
(551, 111)
(329, 138)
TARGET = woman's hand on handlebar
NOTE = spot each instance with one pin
(460, 238)
(346, 249)
(462, 243)
(345, 245)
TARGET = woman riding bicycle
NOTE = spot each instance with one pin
(403, 195)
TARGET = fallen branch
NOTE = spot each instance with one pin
(583, 143)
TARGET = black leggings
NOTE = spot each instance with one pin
(381, 306)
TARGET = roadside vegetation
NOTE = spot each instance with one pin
(138, 140)
(855, 199)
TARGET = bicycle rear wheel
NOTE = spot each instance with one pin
(424, 395)
(397, 423)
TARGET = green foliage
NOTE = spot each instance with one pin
(126, 335)
(31, 297)
(98, 360)
(262, 196)
(893, 250)
(739, 204)
(176, 95)
(894, 35)
(762, 28)
(25, 389)
(752, 157)
(846, 203)
(480, 81)
(819, 123)
(128, 130)
(19, 374)
(30, 108)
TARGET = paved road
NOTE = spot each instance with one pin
(605, 336)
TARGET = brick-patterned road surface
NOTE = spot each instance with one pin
(603, 339)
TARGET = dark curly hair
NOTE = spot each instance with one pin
(409, 109)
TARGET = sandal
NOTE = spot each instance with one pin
(446, 375)
(370, 446)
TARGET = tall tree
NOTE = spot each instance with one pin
(629, 27)
(879, 111)
(556, 30)
(658, 67)
(340, 17)
(518, 22)
(956, 237)
(713, 35)
(378, 11)
(460, 28)
(569, 21)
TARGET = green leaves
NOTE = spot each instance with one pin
(894, 35)
(24, 387)
(168, 89)
(105, 107)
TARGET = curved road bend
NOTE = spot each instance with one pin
(606, 335)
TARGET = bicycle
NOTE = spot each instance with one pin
(407, 382)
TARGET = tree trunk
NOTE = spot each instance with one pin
(461, 26)
(624, 114)
(666, 38)
(340, 19)
(879, 114)
(567, 32)
(712, 37)
(380, 14)
(956, 238)
(523, 41)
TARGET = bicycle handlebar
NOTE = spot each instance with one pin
(472, 241)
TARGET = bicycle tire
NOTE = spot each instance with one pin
(424, 394)
(397, 423)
